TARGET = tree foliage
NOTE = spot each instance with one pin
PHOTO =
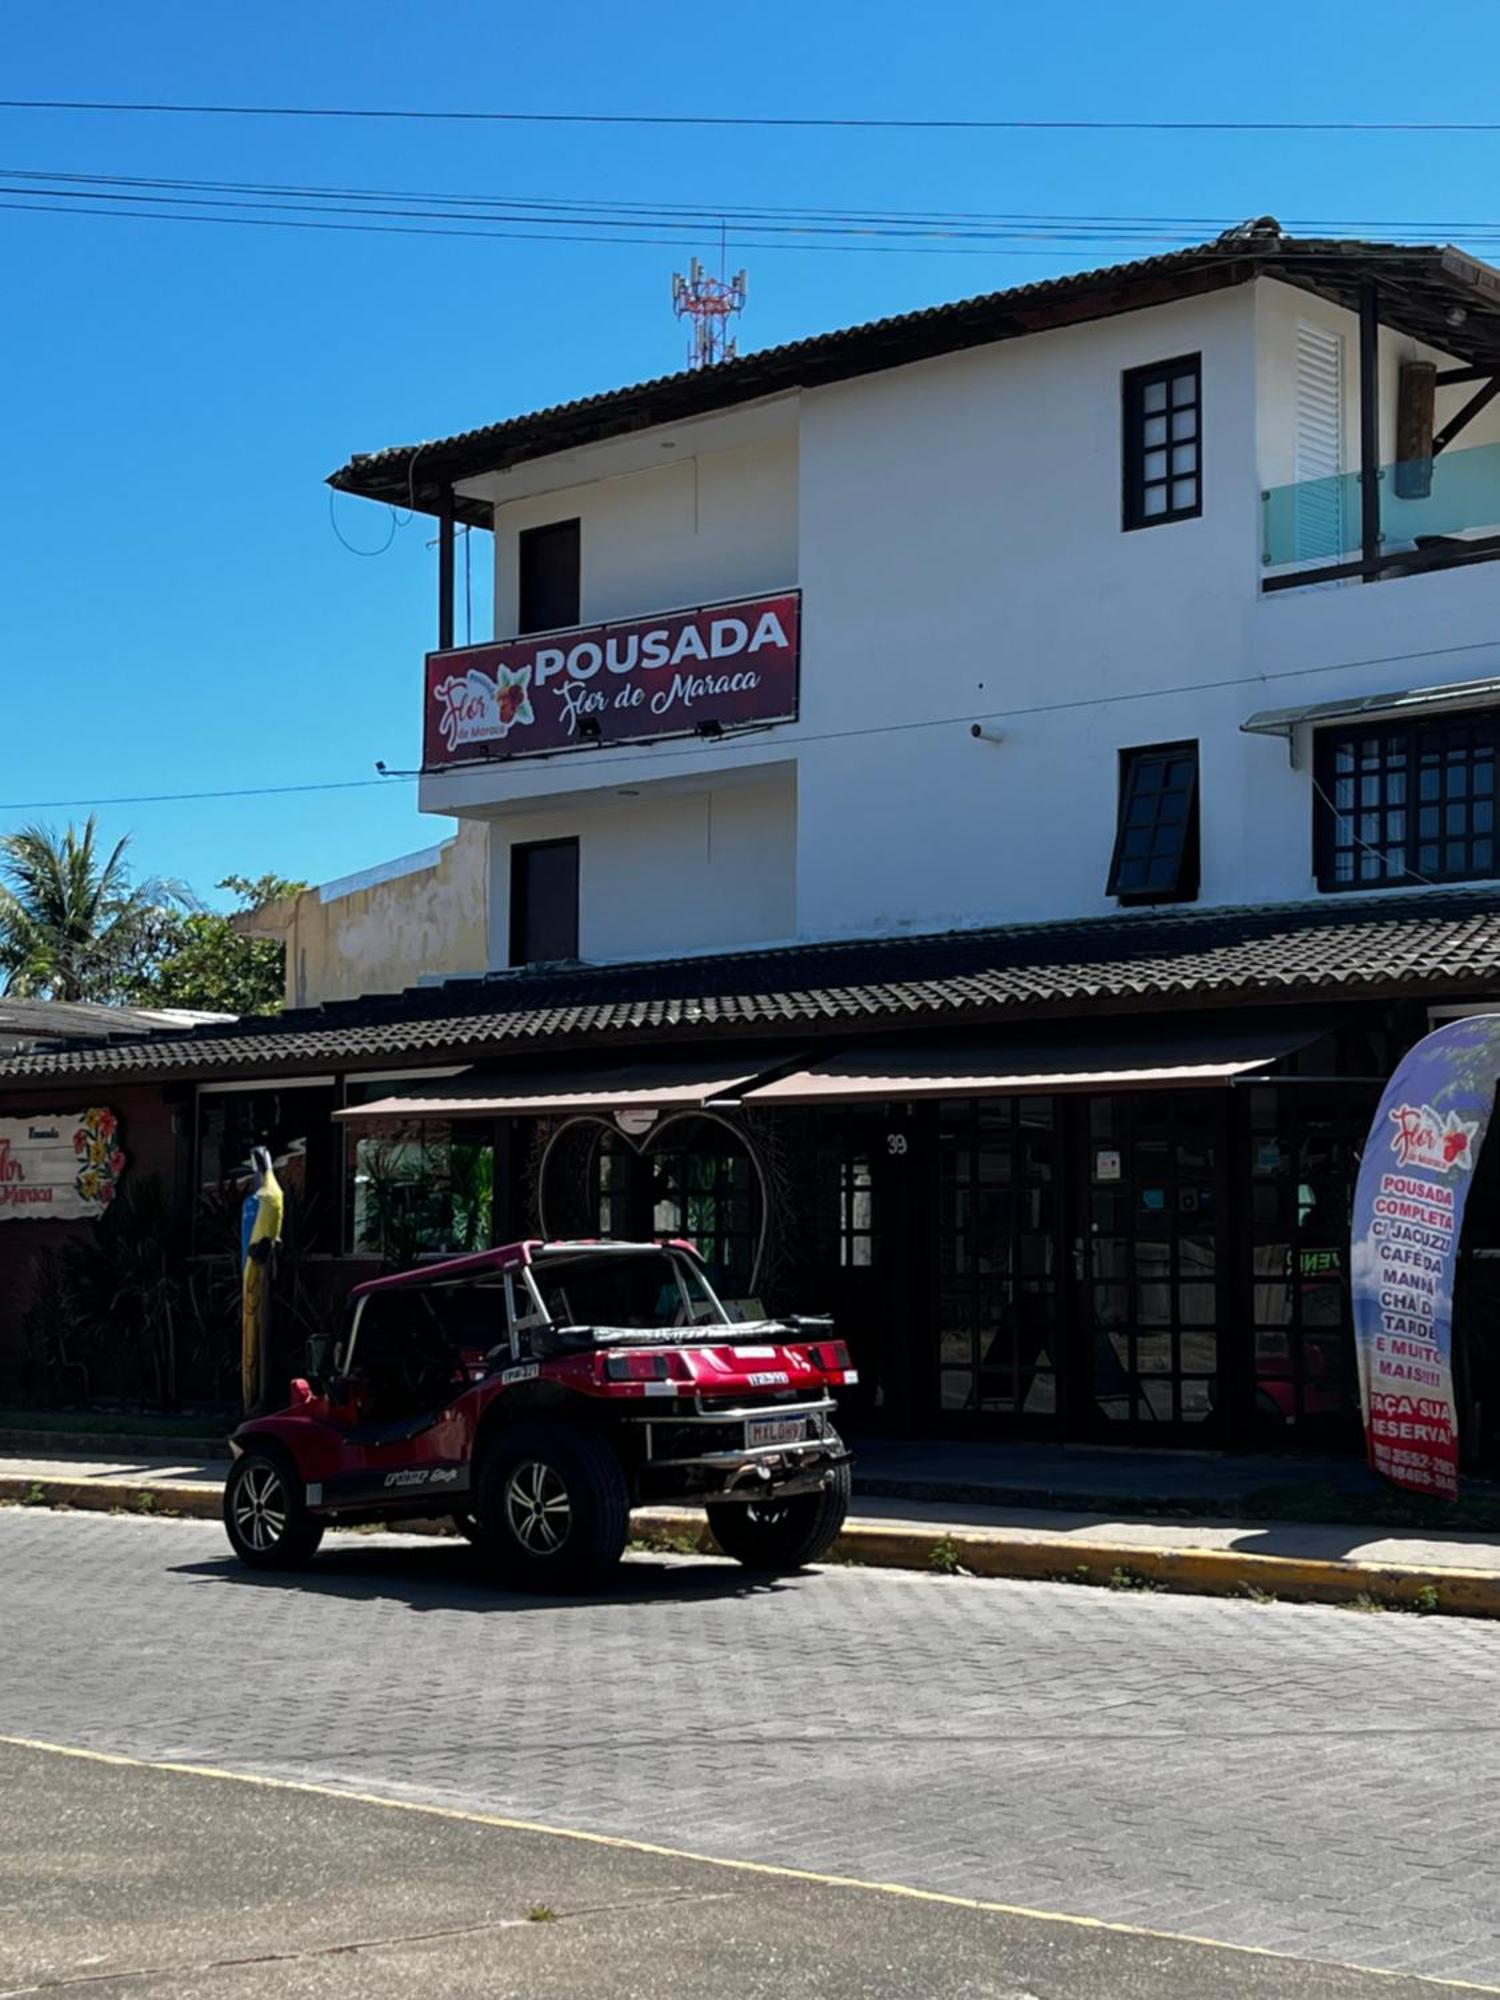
(200, 960)
(73, 925)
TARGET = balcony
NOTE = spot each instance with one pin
(714, 671)
(1432, 513)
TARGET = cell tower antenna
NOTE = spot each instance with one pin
(708, 304)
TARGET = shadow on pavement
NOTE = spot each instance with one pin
(449, 1578)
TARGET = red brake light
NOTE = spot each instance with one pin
(637, 1368)
(832, 1356)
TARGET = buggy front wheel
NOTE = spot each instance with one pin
(553, 1507)
(782, 1534)
(265, 1513)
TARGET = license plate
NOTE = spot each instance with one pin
(775, 1430)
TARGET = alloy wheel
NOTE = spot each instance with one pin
(537, 1508)
(260, 1508)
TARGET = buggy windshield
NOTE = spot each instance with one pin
(624, 1289)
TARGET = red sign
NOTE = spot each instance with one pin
(708, 670)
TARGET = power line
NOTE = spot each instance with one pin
(570, 211)
(564, 214)
(934, 241)
(481, 235)
(751, 122)
(717, 211)
(660, 751)
(180, 798)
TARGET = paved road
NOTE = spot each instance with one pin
(1315, 1782)
(135, 1883)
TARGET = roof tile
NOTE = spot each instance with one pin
(1416, 944)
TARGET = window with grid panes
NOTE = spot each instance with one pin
(1164, 442)
(1305, 1147)
(998, 1257)
(1406, 802)
(703, 1185)
(1151, 1257)
(856, 1209)
(1156, 842)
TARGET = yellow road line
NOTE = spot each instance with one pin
(776, 1871)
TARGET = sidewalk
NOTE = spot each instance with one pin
(1088, 1476)
(1457, 1573)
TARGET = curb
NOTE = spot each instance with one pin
(109, 1445)
(985, 1552)
(1128, 1566)
(197, 1501)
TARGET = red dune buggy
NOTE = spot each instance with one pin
(536, 1394)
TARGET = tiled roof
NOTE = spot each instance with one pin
(1421, 945)
(1424, 283)
(29, 1024)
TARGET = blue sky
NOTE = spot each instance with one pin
(176, 611)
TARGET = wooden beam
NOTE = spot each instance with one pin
(1369, 428)
(445, 574)
(1466, 416)
(1415, 398)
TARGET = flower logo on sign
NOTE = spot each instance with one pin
(100, 1160)
(476, 709)
(1425, 1138)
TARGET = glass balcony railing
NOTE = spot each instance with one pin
(1314, 524)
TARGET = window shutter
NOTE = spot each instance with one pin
(1319, 447)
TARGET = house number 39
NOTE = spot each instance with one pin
(895, 1144)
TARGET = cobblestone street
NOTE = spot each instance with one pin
(1307, 1780)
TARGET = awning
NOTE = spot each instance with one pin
(641, 1086)
(874, 1076)
(1374, 707)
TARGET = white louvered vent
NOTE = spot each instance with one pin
(1321, 501)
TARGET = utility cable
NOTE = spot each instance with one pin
(660, 753)
(749, 121)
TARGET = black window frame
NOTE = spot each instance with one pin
(539, 606)
(1135, 383)
(293, 1119)
(1136, 765)
(521, 855)
(1391, 793)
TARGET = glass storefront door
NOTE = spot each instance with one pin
(1148, 1261)
(999, 1260)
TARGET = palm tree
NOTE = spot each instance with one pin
(72, 923)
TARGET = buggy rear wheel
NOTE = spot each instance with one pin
(553, 1507)
(782, 1534)
(265, 1513)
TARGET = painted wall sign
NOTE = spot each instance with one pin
(725, 665)
(1414, 1181)
(63, 1166)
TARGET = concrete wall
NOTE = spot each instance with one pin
(1278, 309)
(675, 869)
(422, 916)
(695, 529)
(992, 581)
(955, 527)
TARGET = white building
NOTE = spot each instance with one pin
(960, 817)
(997, 605)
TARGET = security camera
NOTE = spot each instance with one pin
(982, 735)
